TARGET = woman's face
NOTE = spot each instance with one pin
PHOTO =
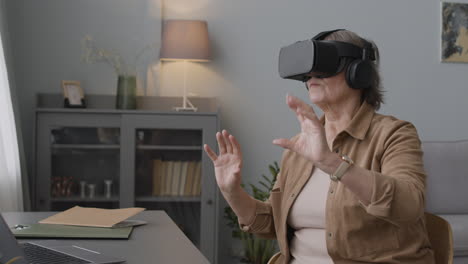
(332, 90)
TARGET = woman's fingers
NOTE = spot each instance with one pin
(308, 113)
(290, 101)
(236, 146)
(227, 141)
(294, 102)
(210, 152)
(301, 109)
(283, 142)
(227, 144)
(221, 143)
(299, 116)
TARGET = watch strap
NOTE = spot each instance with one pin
(342, 168)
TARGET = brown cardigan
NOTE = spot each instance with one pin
(391, 229)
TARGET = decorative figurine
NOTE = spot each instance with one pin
(83, 189)
(108, 188)
(91, 190)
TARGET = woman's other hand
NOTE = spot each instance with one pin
(228, 163)
(311, 142)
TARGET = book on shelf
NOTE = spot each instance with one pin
(189, 178)
(175, 177)
(183, 177)
(157, 177)
(167, 175)
(196, 187)
(162, 184)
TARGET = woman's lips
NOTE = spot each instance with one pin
(313, 84)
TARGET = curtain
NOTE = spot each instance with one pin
(11, 194)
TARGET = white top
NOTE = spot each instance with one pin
(307, 218)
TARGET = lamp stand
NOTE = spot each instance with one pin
(184, 107)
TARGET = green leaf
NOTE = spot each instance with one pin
(256, 249)
(250, 248)
(253, 187)
(272, 170)
(268, 251)
(263, 184)
(268, 180)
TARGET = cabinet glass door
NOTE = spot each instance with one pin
(165, 168)
(168, 175)
(84, 167)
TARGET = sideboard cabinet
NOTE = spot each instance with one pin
(151, 157)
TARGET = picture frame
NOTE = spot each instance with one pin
(454, 46)
(73, 94)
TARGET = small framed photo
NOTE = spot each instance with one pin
(73, 94)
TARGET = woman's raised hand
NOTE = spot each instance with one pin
(311, 142)
(228, 163)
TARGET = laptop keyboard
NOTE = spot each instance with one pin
(40, 255)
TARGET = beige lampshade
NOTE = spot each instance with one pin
(185, 40)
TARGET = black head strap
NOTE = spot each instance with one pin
(366, 53)
(324, 34)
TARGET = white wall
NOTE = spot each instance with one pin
(246, 37)
(46, 41)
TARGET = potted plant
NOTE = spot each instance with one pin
(256, 250)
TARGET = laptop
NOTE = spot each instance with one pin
(12, 252)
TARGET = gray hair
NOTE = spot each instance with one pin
(373, 95)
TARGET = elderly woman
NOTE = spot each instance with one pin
(351, 185)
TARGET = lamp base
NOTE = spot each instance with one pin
(187, 105)
(185, 109)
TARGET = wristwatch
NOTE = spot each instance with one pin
(340, 171)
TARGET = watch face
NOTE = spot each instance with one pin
(347, 159)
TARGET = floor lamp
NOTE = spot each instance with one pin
(185, 40)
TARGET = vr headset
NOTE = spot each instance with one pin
(326, 58)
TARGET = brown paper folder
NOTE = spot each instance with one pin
(95, 217)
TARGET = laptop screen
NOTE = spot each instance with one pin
(10, 252)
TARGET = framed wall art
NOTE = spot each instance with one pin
(454, 32)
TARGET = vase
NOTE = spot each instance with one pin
(126, 92)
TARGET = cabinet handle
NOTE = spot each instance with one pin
(210, 202)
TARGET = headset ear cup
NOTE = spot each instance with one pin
(358, 74)
(351, 73)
